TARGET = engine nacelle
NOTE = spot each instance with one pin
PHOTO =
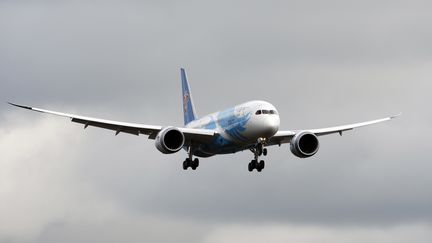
(304, 144)
(169, 140)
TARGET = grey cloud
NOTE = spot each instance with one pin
(119, 47)
(320, 64)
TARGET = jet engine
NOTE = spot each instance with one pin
(304, 144)
(169, 140)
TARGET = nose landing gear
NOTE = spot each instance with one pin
(258, 150)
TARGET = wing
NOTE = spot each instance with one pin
(285, 136)
(199, 135)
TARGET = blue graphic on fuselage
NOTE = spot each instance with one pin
(219, 141)
(211, 125)
(232, 125)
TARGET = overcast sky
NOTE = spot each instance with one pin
(321, 63)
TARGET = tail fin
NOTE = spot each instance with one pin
(188, 106)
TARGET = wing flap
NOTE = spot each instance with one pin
(118, 129)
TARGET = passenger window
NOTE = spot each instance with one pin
(258, 112)
(265, 111)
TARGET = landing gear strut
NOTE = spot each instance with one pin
(258, 150)
(189, 162)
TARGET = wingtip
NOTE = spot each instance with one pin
(10, 103)
(397, 115)
(20, 106)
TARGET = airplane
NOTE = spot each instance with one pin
(253, 126)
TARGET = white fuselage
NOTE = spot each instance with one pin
(238, 127)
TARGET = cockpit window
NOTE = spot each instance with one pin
(259, 112)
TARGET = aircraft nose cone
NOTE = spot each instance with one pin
(271, 125)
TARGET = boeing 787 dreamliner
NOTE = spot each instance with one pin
(253, 126)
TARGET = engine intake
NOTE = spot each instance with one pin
(304, 144)
(169, 140)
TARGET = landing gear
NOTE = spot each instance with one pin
(189, 162)
(258, 150)
(261, 151)
(251, 166)
(254, 164)
(195, 164)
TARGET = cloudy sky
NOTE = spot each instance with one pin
(321, 63)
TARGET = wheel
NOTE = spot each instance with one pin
(261, 164)
(250, 166)
(195, 162)
(255, 164)
(185, 165)
(265, 152)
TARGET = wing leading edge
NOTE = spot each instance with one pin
(191, 134)
(285, 136)
(124, 127)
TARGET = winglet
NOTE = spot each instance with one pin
(20, 106)
(400, 113)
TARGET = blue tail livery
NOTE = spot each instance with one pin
(188, 106)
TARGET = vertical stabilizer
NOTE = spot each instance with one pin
(188, 106)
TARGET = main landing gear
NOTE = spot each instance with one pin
(258, 150)
(189, 162)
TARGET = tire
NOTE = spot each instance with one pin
(250, 167)
(255, 164)
(261, 164)
(185, 165)
(265, 152)
(195, 163)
